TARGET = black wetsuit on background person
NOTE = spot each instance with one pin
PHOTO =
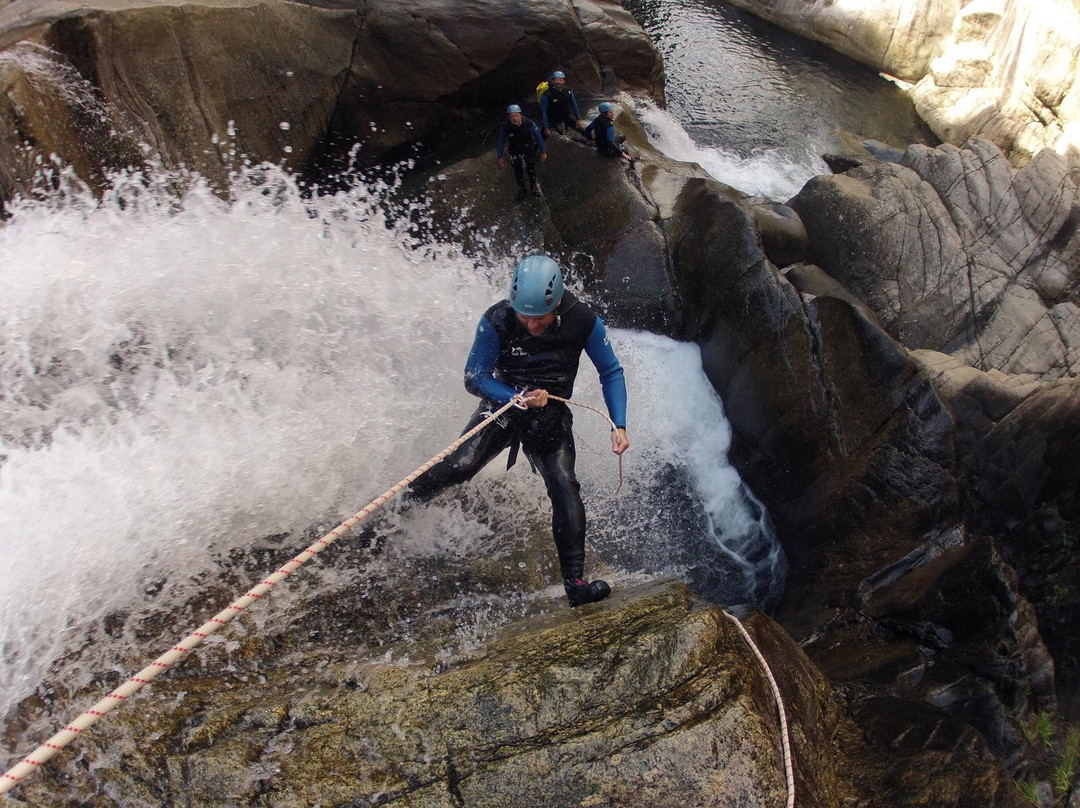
(602, 130)
(521, 145)
(559, 107)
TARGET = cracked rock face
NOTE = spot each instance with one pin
(955, 251)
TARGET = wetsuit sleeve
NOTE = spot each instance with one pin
(480, 366)
(589, 130)
(573, 105)
(501, 144)
(544, 103)
(612, 382)
(539, 138)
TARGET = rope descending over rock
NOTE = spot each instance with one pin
(785, 738)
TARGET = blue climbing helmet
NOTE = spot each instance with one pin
(537, 286)
(510, 110)
(605, 106)
(558, 74)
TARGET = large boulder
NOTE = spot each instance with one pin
(643, 700)
(845, 436)
(956, 251)
(205, 85)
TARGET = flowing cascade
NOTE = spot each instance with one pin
(178, 652)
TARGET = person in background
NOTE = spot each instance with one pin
(519, 142)
(602, 131)
(559, 107)
(527, 348)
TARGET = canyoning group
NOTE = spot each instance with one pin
(521, 141)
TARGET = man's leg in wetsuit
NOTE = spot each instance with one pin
(550, 448)
(460, 465)
(464, 462)
(530, 168)
(518, 163)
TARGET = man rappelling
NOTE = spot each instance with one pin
(527, 348)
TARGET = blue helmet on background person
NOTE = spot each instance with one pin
(605, 106)
(510, 110)
(558, 74)
(536, 287)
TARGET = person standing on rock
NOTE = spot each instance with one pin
(520, 140)
(602, 131)
(559, 107)
(527, 348)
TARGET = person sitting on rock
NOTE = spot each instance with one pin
(559, 107)
(520, 140)
(602, 131)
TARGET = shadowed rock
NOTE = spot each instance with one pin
(205, 85)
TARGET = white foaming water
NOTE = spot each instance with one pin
(768, 173)
(184, 377)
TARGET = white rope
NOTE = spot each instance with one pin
(606, 417)
(785, 739)
(178, 652)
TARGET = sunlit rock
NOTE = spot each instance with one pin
(1007, 73)
(1003, 70)
(896, 37)
(958, 252)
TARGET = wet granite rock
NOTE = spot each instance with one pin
(643, 700)
(855, 447)
(206, 85)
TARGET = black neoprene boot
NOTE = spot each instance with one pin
(579, 591)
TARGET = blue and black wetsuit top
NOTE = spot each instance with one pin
(519, 140)
(558, 106)
(506, 358)
(602, 130)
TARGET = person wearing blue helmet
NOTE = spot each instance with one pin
(559, 107)
(602, 131)
(519, 141)
(527, 347)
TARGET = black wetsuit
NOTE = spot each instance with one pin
(521, 144)
(506, 358)
(602, 130)
(559, 107)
